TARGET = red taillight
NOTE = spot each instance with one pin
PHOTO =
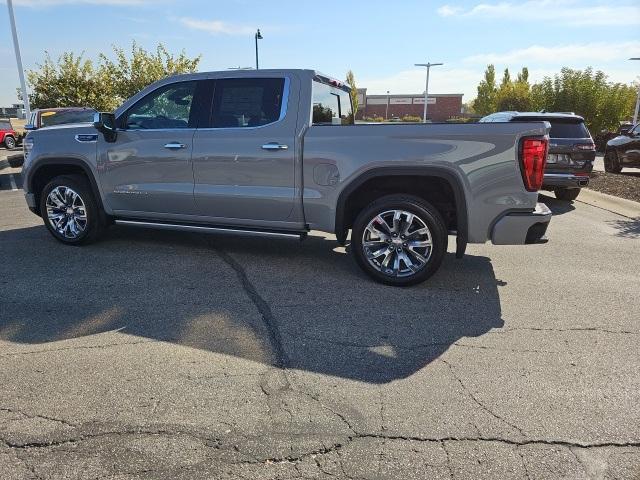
(533, 156)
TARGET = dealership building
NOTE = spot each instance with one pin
(440, 108)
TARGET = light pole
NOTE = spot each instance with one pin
(635, 113)
(426, 89)
(258, 36)
(386, 112)
(16, 47)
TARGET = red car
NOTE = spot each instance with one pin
(8, 136)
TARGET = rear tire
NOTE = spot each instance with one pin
(399, 240)
(567, 194)
(70, 211)
(611, 162)
(9, 142)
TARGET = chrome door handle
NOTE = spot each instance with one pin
(174, 145)
(274, 146)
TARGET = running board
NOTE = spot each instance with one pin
(208, 229)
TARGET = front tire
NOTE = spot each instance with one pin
(399, 240)
(70, 211)
(567, 194)
(611, 162)
(9, 142)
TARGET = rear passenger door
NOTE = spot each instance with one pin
(244, 159)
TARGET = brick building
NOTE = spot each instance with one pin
(441, 106)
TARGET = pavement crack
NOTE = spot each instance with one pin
(524, 463)
(76, 347)
(446, 452)
(478, 402)
(33, 416)
(573, 329)
(282, 359)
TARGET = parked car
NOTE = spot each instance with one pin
(623, 151)
(47, 117)
(253, 152)
(604, 136)
(571, 150)
(8, 136)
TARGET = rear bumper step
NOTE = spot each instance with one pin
(521, 228)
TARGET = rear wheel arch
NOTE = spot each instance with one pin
(47, 169)
(351, 198)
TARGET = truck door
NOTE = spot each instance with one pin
(244, 159)
(148, 169)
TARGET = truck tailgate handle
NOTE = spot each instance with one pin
(174, 145)
(274, 146)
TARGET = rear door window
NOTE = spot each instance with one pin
(247, 102)
(331, 105)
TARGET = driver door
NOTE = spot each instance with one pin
(147, 171)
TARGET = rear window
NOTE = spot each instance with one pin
(331, 105)
(247, 102)
(568, 130)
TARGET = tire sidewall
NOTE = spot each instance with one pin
(564, 193)
(82, 188)
(611, 163)
(427, 213)
(9, 142)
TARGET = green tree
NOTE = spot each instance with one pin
(523, 76)
(603, 104)
(131, 73)
(73, 80)
(351, 81)
(485, 102)
(506, 78)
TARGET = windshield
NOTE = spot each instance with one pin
(48, 119)
(331, 105)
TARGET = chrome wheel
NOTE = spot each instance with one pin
(10, 143)
(66, 212)
(397, 243)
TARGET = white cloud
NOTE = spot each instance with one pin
(565, 12)
(217, 27)
(571, 54)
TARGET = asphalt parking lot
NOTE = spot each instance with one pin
(163, 355)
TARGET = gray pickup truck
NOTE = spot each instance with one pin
(276, 152)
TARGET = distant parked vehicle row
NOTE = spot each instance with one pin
(571, 150)
(623, 151)
(47, 117)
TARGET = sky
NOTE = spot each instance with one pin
(379, 40)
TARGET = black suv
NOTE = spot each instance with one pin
(571, 150)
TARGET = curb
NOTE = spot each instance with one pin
(620, 206)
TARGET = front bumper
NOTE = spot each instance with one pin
(520, 228)
(564, 180)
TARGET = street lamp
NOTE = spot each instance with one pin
(258, 36)
(16, 47)
(635, 113)
(426, 89)
(386, 112)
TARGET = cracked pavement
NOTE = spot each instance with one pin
(182, 356)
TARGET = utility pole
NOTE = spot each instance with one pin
(635, 113)
(258, 36)
(426, 88)
(386, 112)
(16, 47)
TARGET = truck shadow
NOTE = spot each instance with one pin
(270, 301)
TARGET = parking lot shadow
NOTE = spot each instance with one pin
(557, 207)
(304, 304)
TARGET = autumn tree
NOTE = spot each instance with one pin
(72, 80)
(485, 102)
(351, 81)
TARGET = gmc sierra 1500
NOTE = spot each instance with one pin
(276, 152)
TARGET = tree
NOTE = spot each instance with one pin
(75, 81)
(603, 104)
(351, 81)
(506, 79)
(523, 76)
(130, 74)
(485, 102)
